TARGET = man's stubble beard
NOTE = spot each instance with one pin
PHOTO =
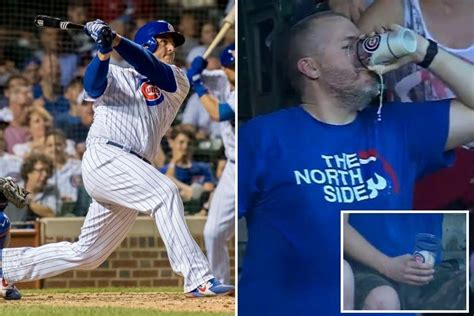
(344, 85)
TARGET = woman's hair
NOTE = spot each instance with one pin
(30, 162)
(187, 130)
(42, 112)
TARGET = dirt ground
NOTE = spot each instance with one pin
(157, 301)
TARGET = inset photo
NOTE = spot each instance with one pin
(404, 261)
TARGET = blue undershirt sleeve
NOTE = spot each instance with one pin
(95, 78)
(225, 112)
(147, 65)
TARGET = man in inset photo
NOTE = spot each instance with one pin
(405, 261)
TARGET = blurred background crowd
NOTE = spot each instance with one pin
(44, 120)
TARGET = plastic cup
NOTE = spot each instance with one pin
(427, 247)
(383, 48)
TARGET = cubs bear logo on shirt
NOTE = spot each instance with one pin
(152, 93)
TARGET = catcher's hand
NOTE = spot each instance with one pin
(12, 192)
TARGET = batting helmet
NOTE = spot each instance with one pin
(146, 34)
(228, 56)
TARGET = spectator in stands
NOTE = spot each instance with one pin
(108, 10)
(67, 174)
(6, 114)
(48, 92)
(43, 201)
(38, 121)
(19, 97)
(207, 34)
(31, 71)
(77, 13)
(58, 43)
(78, 132)
(188, 27)
(9, 164)
(449, 24)
(73, 95)
(191, 177)
(196, 115)
(120, 26)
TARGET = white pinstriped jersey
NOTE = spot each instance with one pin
(68, 179)
(218, 84)
(134, 113)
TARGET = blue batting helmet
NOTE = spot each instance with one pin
(228, 56)
(146, 34)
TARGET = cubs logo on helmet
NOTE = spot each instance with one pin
(151, 93)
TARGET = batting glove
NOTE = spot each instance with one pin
(102, 34)
(92, 28)
(194, 75)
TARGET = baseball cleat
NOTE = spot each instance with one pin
(9, 291)
(211, 288)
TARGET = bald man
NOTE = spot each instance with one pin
(300, 166)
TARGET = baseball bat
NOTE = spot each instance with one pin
(229, 21)
(57, 23)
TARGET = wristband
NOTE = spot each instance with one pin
(431, 52)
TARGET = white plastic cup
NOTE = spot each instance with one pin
(383, 49)
(427, 247)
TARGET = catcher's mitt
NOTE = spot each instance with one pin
(12, 192)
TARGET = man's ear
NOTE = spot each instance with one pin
(309, 67)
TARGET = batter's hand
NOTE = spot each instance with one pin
(416, 57)
(406, 269)
(102, 34)
(194, 75)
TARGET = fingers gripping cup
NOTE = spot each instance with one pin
(427, 247)
(382, 48)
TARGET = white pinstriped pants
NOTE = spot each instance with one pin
(121, 185)
(220, 224)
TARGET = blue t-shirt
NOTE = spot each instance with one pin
(399, 229)
(60, 105)
(295, 176)
(199, 172)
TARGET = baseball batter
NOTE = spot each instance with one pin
(220, 104)
(133, 109)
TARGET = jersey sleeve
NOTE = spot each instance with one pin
(216, 82)
(182, 84)
(112, 75)
(250, 164)
(427, 128)
(231, 100)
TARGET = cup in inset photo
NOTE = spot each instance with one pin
(426, 248)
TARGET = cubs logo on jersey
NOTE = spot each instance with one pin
(151, 93)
